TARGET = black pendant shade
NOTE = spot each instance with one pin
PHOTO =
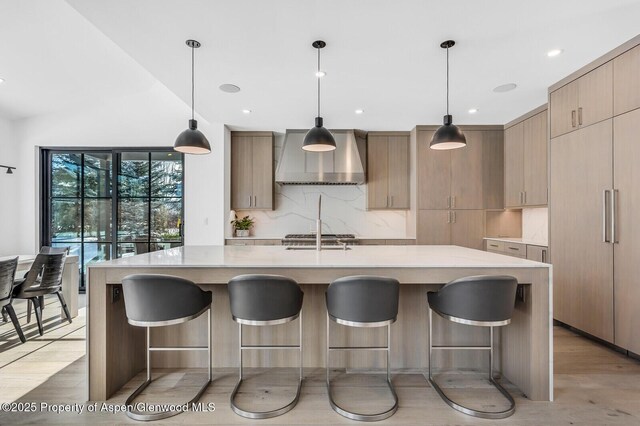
(448, 136)
(318, 138)
(192, 141)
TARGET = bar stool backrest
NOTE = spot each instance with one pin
(482, 298)
(7, 275)
(263, 297)
(46, 271)
(54, 250)
(151, 299)
(363, 298)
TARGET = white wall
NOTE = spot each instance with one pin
(9, 189)
(151, 118)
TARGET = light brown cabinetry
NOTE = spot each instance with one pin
(626, 83)
(525, 162)
(387, 171)
(537, 253)
(457, 227)
(582, 102)
(625, 232)
(581, 170)
(468, 178)
(252, 170)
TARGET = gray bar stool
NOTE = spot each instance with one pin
(484, 301)
(262, 300)
(161, 300)
(362, 301)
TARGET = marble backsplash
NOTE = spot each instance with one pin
(343, 211)
(535, 225)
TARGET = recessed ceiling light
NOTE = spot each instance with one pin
(1, 80)
(554, 52)
(246, 111)
(473, 110)
(505, 88)
(229, 88)
(320, 74)
(359, 111)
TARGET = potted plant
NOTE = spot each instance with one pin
(242, 226)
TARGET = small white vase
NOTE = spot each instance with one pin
(242, 232)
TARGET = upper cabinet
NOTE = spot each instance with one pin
(525, 162)
(582, 102)
(252, 170)
(626, 84)
(468, 178)
(387, 171)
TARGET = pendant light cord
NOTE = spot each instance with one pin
(318, 77)
(447, 81)
(192, 82)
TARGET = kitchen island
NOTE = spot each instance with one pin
(115, 350)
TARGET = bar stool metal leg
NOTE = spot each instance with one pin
(466, 410)
(136, 414)
(360, 416)
(278, 411)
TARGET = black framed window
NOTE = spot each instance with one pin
(108, 203)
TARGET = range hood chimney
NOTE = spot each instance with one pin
(346, 165)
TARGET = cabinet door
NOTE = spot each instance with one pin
(535, 160)
(434, 173)
(626, 81)
(434, 227)
(513, 165)
(467, 228)
(627, 250)
(466, 173)
(581, 169)
(563, 109)
(537, 253)
(377, 172)
(241, 172)
(595, 95)
(262, 168)
(399, 172)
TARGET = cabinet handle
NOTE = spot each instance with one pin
(544, 256)
(573, 118)
(449, 202)
(255, 201)
(493, 245)
(580, 116)
(250, 200)
(391, 205)
(454, 217)
(614, 211)
(604, 216)
(514, 248)
(387, 201)
(524, 197)
(449, 217)
(453, 202)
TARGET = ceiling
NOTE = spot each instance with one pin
(381, 56)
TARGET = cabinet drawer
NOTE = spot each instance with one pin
(239, 242)
(515, 249)
(495, 246)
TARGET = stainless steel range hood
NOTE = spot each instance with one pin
(346, 165)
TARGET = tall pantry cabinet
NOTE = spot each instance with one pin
(595, 201)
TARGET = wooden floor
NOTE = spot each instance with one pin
(593, 385)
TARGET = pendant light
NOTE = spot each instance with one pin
(448, 136)
(192, 141)
(319, 139)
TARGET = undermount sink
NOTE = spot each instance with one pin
(314, 247)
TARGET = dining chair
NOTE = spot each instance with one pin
(44, 277)
(7, 275)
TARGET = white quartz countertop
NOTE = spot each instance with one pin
(358, 257)
(518, 240)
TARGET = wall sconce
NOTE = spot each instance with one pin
(9, 169)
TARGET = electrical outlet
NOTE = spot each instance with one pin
(520, 294)
(115, 293)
